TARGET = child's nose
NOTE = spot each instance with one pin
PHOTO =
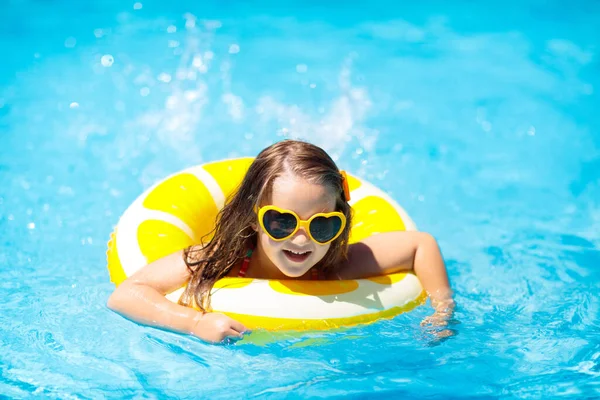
(301, 237)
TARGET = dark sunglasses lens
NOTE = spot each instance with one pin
(323, 229)
(279, 225)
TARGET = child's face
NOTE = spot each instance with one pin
(297, 254)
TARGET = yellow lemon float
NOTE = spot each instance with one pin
(179, 210)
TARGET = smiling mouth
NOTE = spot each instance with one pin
(296, 256)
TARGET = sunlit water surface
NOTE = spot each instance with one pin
(481, 119)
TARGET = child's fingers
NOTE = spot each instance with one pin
(234, 335)
(237, 326)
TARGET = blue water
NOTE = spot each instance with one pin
(480, 118)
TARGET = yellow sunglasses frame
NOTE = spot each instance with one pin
(301, 223)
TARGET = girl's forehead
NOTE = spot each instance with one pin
(301, 196)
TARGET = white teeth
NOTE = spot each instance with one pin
(298, 253)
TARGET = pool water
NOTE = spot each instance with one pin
(480, 118)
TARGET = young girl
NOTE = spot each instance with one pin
(257, 236)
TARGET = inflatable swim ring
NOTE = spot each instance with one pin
(178, 211)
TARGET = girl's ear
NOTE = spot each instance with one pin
(254, 227)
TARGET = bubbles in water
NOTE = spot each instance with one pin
(313, 85)
(235, 106)
(173, 43)
(164, 77)
(70, 42)
(74, 105)
(190, 20)
(145, 91)
(234, 49)
(31, 225)
(531, 131)
(98, 33)
(199, 64)
(301, 68)
(107, 60)
(172, 29)
(137, 6)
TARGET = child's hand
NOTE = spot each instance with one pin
(216, 327)
(444, 311)
(438, 323)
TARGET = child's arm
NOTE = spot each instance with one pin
(391, 252)
(141, 298)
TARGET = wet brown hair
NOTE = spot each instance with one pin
(233, 234)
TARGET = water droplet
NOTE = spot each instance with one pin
(164, 77)
(301, 68)
(70, 42)
(190, 20)
(98, 33)
(531, 131)
(234, 49)
(107, 60)
(172, 29)
(137, 6)
(173, 44)
(313, 85)
(197, 61)
(74, 105)
(145, 91)
(31, 225)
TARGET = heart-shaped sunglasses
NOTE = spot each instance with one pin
(281, 224)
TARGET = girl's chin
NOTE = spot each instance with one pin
(293, 270)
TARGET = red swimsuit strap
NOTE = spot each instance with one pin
(314, 274)
(245, 263)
